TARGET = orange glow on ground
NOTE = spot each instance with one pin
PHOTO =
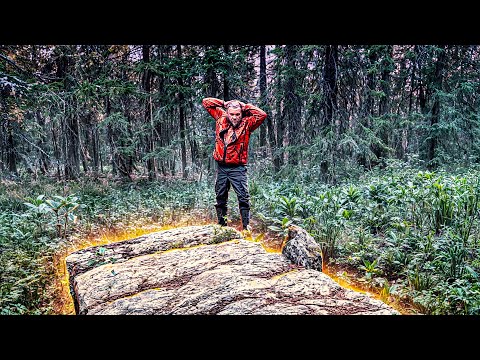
(342, 282)
(350, 281)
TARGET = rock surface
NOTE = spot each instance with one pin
(209, 270)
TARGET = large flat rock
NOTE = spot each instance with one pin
(209, 270)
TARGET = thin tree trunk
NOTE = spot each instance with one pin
(7, 138)
(384, 104)
(83, 147)
(147, 79)
(278, 158)
(330, 91)
(263, 98)
(212, 90)
(369, 107)
(181, 100)
(44, 163)
(194, 150)
(226, 88)
(436, 107)
(65, 65)
(11, 158)
(110, 136)
(56, 150)
(95, 149)
(292, 108)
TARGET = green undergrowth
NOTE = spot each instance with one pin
(408, 232)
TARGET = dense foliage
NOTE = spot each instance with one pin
(407, 233)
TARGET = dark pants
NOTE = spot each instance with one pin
(235, 176)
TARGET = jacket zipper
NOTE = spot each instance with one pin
(224, 150)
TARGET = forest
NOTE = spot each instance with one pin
(371, 148)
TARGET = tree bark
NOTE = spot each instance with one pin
(226, 88)
(330, 90)
(263, 98)
(7, 139)
(436, 107)
(65, 66)
(181, 101)
(11, 158)
(292, 108)
(278, 157)
(147, 86)
(43, 158)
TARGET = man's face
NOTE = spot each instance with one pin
(235, 115)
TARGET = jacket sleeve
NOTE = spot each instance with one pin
(255, 116)
(214, 107)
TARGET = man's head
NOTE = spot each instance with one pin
(234, 112)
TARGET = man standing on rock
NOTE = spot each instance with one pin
(235, 121)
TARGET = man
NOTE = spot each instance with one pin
(235, 121)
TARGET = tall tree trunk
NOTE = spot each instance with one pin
(263, 98)
(436, 107)
(422, 92)
(194, 147)
(292, 107)
(147, 86)
(11, 154)
(95, 149)
(65, 66)
(266, 107)
(72, 166)
(161, 127)
(369, 107)
(110, 136)
(83, 146)
(212, 86)
(3, 140)
(43, 157)
(330, 90)
(211, 76)
(57, 153)
(382, 59)
(278, 157)
(181, 101)
(384, 105)
(7, 130)
(226, 90)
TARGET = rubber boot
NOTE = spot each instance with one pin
(222, 216)
(245, 218)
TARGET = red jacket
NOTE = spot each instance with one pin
(231, 144)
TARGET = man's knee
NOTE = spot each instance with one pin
(244, 204)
